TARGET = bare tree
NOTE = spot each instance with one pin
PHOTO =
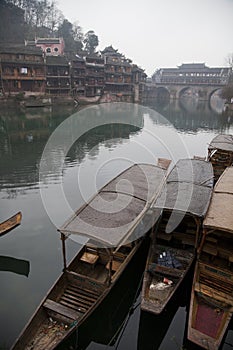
(229, 60)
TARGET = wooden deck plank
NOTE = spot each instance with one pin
(60, 309)
(75, 294)
(83, 290)
(210, 249)
(165, 236)
(75, 308)
(74, 300)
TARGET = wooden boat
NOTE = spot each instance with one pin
(220, 153)
(113, 223)
(116, 309)
(184, 201)
(10, 223)
(211, 304)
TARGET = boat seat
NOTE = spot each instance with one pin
(164, 236)
(185, 238)
(210, 249)
(115, 265)
(60, 309)
(89, 258)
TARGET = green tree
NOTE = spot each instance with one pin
(78, 36)
(11, 23)
(91, 41)
(65, 30)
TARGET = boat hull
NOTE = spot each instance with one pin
(161, 282)
(209, 314)
(10, 223)
(71, 300)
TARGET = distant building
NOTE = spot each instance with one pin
(95, 77)
(50, 46)
(41, 67)
(192, 73)
(118, 75)
(78, 75)
(139, 82)
(58, 80)
(22, 69)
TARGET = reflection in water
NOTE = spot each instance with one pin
(188, 115)
(22, 139)
(19, 266)
(109, 133)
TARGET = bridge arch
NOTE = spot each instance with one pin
(182, 90)
(211, 93)
(163, 92)
(202, 92)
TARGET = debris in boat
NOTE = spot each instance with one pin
(167, 281)
(159, 286)
(167, 259)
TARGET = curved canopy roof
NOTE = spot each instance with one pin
(112, 215)
(220, 212)
(223, 142)
(188, 188)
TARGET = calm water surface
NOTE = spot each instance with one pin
(88, 148)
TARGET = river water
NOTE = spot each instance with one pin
(52, 160)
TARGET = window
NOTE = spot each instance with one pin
(55, 49)
(23, 70)
(48, 50)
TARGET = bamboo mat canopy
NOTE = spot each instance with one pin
(223, 142)
(188, 188)
(112, 215)
(220, 212)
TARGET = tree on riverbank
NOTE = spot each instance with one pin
(12, 23)
(227, 91)
(26, 19)
(91, 41)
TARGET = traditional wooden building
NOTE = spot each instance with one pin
(139, 82)
(51, 46)
(95, 75)
(118, 76)
(78, 76)
(58, 80)
(192, 73)
(104, 77)
(22, 70)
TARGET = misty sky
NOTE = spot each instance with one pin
(158, 33)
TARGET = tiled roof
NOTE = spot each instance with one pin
(48, 41)
(57, 60)
(20, 49)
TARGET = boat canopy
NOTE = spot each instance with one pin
(223, 142)
(220, 212)
(112, 215)
(188, 188)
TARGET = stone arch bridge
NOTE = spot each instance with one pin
(175, 91)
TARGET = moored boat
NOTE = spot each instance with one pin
(220, 153)
(184, 201)
(211, 304)
(114, 222)
(10, 223)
